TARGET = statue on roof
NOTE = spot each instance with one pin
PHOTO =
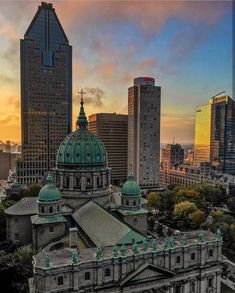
(123, 249)
(115, 250)
(75, 255)
(48, 261)
(145, 245)
(98, 253)
(184, 240)
(154, 244)
(135, 248)
(219, 235)
(202, 238)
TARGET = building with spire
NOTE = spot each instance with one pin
(92, 240)
(46, 94)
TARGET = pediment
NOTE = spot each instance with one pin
(146, 273)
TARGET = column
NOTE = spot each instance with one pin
(61, 181)
(70, 182)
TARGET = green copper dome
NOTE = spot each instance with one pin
(81, 148)
(131, 188)
(49, 192)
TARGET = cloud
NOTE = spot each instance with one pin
(5, 79)
(94, 96)
(9, 120)
(13, 101)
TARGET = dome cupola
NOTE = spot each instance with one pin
(81, 169)
(81, 149)
(131, 188)
(49, 192)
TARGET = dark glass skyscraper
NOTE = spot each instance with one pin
(223, 133)
(46, 94)
(215, 134)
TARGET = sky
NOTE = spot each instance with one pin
(185, 45)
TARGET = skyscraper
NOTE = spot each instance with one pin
(215, 134)
(111, 128)
(144, 99)
(46, 94)
(202, 134)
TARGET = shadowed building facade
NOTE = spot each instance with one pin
(144, 100)
(111, 128)
(46, 94)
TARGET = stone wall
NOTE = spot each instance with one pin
(19, 229)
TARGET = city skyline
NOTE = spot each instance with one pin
(186, 46)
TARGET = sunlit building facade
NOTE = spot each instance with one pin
(46, 94)
(202, 134)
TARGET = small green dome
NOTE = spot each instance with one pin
(49, 192)
(81, 148)
(131, 188)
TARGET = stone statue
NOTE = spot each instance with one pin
(123, 250)
(154, 244)
(135, 248)
(98, 253)
(171, 241)
(202, 238)
(48, 261)
(184, 240)
(219, 235)
(115, 250)
(75, 255)
(145, 245)
(167, 243)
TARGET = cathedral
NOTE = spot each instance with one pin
(91, 239)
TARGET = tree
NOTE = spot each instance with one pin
(184, 208)
(153, 200)
(197, 218)
(2, 222)
(31, 191)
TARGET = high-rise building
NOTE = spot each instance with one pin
(215, 134)
(223, 134)
(173, 154)
(111, 128)
(46, 94)
(202, 134)
(144, 99)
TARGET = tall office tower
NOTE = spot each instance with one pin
(46, 94)
(144, 100)
(223, 133)
(111, 128)
(173, 154)
(215, 134)
(202, 135)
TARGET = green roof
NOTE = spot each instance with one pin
(39, 220)
(81, 147)
(49, 192)
(102, 228)
(131, 188)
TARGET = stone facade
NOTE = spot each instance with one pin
(182, 268)
(45, 234)
(19, 229)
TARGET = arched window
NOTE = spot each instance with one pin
(58, 208)
(67, 181)
(127, 202)
(134, 203)
(60, 280)
(77, 182)
(42, 210)
(50, 210)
